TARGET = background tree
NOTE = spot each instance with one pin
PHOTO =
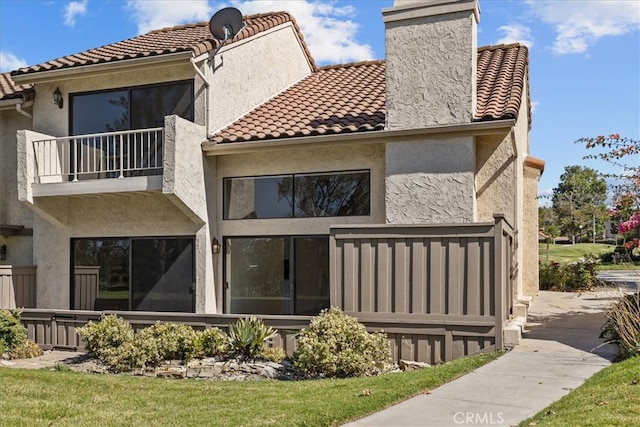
(618, 150)
(579, 201)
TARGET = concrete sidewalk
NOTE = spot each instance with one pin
(559, 351)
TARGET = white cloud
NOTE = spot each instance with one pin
(8, 62)
(579, 24)
(327, 28)
(516, 33)
(73, 9)
(534, 106)
(154, 14)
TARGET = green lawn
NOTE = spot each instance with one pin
(609, 398)
(569, 253)
(59, 398)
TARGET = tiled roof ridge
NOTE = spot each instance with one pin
(193, 37)
(177, 28)
(501, 46)
(352, 64)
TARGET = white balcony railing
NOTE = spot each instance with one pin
(99, 156)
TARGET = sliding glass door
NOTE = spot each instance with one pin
(147, 274)
(277, 275)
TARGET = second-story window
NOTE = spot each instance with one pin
(308, 195)
(130, 108)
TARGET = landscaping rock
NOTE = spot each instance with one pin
(410, 365)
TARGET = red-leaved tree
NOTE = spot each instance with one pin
(617, 150)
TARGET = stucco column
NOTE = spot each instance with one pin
(430, 181)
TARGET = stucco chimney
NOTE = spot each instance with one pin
(431, 54)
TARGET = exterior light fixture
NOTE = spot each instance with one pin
(3, 252)
(215, 246)
(57, 97)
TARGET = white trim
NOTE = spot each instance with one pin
(79, 71)
(367, 137)
(99, 186)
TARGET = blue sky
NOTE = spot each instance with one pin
(584, 55)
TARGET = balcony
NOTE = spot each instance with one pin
(81, 164)
(163, 162)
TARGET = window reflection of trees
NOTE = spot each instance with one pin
(331, 195)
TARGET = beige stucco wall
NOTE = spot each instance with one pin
(183, 182)
(430, 181)
(430, 70)
(247, 73)
(521, 133)
(496, 177)
(12, 212)
(529, 239)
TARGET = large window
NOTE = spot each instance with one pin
(148, 274)
(130, 108)
(327, 194)
(133, 154)
(277, 275)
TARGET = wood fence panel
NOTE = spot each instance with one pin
(86, 284)
(17, 286)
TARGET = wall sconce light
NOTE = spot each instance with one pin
(3, 252)
(215, 246)
(57, 97)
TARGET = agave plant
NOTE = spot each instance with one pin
(247, 337)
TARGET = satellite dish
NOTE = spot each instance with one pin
(226, 23)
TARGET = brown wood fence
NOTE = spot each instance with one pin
(17, 286)
(439, 292)
(444, 291)
(86, 287)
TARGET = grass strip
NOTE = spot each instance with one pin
(610, 398)
(62, 398)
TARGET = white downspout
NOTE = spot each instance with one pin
(206, 93)
(21, 111)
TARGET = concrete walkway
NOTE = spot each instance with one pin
(559, 351)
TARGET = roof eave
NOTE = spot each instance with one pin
(102, 68)
(468, 129)
(10, 104)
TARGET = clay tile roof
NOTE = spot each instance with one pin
(335, 99)
(502, 72)
(10, 90)
(351, 98)
(191, 37)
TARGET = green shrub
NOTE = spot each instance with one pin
(272, 354)
(577, 275)
(109, 332)
(12, 332)
(623, 325)
(26, 350)
(212, 342)
(337, 345)
(552, 275)
(109, 339)
(247, 337)
(166, 341)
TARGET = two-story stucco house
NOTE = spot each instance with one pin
(166, 178)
